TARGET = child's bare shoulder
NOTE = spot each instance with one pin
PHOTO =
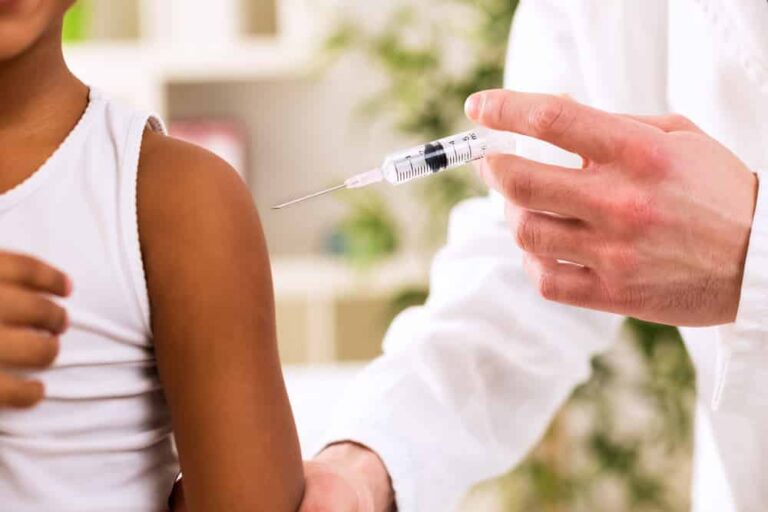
(182, 184)
(169, 162)
(194, 211)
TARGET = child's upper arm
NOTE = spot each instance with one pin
(212, 307)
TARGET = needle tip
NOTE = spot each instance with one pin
(311, 196)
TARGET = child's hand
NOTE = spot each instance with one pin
(30, 324)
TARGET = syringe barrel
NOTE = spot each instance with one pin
(446, 153)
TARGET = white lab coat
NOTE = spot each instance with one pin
(469, 382)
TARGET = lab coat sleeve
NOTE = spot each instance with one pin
(469, 382)
(742, 379)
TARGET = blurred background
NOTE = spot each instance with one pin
(299, 94)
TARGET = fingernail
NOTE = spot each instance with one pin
(472, 106)
(68, 287)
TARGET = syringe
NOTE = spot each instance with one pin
(426, 160)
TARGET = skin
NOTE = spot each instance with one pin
(345, 477)
(647, 250)
(35, 118)
(214, 327)
(348, 477)
(30, 324)
(656, 225)
(208, 277)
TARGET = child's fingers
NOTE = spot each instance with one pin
(21, 308)
(27, 348)
(31, 273)
(18, 393)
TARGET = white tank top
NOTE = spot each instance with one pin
(101, 439)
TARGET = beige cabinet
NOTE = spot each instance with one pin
(330, 312)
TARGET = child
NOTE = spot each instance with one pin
(171, 320)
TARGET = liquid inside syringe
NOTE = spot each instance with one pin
(427, 160)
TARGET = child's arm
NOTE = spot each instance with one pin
(213, 321)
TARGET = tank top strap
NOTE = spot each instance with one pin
(138, 123)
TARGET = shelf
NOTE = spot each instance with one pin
(140, 73)
(328, 312)
(260, 17)
(180, 20)
(249, 60)
(137, 48)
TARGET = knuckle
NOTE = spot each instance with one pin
(511, 213)
(612, 293)
(679, 121)
(44, 353)
(607, 206)
(620, 261)
(519, 188)
(51, 313)
(630, 298)
(642, 212)
(495, 162)
(527, 235)
(547, 118)
(636, 213)
(656, 158)
(612, 290)
(494, 169)
(548, 287)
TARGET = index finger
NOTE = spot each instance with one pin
(597, 135)
(29, 272)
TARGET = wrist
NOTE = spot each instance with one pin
(367, 466)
